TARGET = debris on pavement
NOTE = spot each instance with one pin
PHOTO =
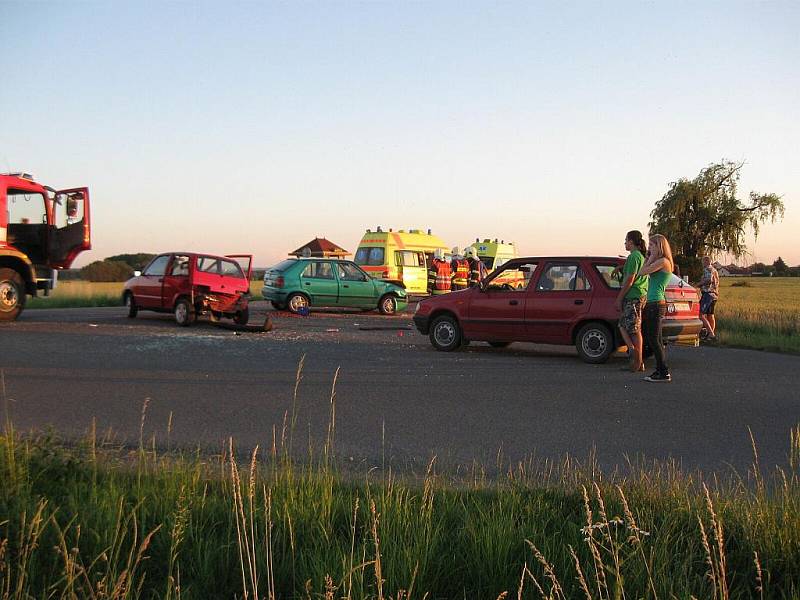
(385, 328)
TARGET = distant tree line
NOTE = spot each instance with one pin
(778, 268)
(115, 268)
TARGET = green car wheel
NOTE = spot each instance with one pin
(388, 305)
(295, 302)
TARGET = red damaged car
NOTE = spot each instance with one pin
(189, 284)
(550, 300)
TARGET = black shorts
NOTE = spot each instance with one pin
(707, 302)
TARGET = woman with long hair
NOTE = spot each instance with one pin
(631, 298)
(658, 266)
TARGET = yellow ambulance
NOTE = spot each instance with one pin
(494, 254)
(401, 257)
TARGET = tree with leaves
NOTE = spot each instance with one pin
(781, 268)
(705, 216)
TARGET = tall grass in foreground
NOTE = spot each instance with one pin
(95, 520)
(76, 294)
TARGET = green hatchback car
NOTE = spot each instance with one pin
(299, 283)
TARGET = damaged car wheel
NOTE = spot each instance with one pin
(242, 316)
(184, 313)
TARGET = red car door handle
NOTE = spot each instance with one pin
(578, 301)
(513, 302)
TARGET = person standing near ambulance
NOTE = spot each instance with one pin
(459, 267)
(477, 270)
(439, 274)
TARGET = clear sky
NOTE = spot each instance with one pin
(254, 127)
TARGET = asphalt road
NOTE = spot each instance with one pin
(397, 400)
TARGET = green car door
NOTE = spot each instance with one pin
(319, 283)
(356, 288)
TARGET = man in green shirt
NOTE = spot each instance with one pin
(631, 298)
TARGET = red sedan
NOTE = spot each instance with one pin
(550, 300)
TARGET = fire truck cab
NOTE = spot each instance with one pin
(399, 257)
(42, 230)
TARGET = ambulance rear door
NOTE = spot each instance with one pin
(412, 270)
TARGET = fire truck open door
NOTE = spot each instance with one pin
(70, 231)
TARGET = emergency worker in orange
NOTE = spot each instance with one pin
(477, 270)
(439, 275)
(459, 268)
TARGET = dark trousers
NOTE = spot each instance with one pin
(651, 327)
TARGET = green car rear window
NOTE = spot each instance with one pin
(283, 265)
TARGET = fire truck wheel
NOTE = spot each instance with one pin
(184, 313)
(445, 334)
(499, 344)
(594, 343)
(12, 294)
(242, 316)
(295, 302)
(133, 310)
(387, 305)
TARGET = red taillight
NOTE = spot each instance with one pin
(385, 274)
(279, 282)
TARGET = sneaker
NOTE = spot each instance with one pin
(658, 377)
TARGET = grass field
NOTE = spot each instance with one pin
(761, 313)
(76, 294)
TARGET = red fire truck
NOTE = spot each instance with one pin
(42, 230)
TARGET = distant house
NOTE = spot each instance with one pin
(320, 248)
(722, 270)
(732, 271)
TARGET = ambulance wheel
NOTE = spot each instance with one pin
(387, 305)
(296, 302)
(12, 294)
(133, 310)
(499, 344)
(185, 314)
(445, 334)
(594, 343)
(242, 316)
